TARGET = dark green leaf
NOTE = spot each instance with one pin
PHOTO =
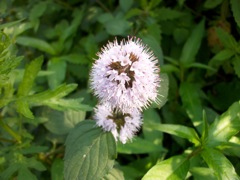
(210, 4)
(174, 168)
(236, 65)
(90, 152)
(227, 39)
(117, 26)
(221, 166)
(191, 102)
(192, 45)
(154, 46)
(126, 4)
(30, 74)
(168, 14)
(36, 43)
(61, 122)
(58, 67)
(57, 169)
(26, 174)
(235, 6)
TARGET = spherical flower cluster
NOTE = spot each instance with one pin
(123, 126)
(125, 78)
(126, 75)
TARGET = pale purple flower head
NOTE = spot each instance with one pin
(123, 126)
(126, 75)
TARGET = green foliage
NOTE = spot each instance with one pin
(46, 51)
(91, 158)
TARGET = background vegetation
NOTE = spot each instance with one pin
(46, 51)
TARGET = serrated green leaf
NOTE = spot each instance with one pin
(173, 168)
(36, 43)
(57, 169)
(61, 122)
(136, 147)
(221, 166)
(30, 74)
(227, 39)
(191, 102)
(236, 65)
(90, 152)
(180, 131)
(192, 45)
(164, 14)
(235, 6)
(226, 126)
(58, 67)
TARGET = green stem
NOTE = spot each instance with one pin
(16, 136)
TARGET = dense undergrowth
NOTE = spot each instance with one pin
(47, 49)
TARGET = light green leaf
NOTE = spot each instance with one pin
(9, 24)
(114, 174)
(57, 169)
(192, 45)
(61, 122)
(174, 168)
(221, 166)
(36, 43)
(136, 147)
(30, 74)
(210, 4)
(24, 109)
(191, 102)
(227, 39)
(90, 152)
(200, 173)
(236, 65)
(58, 67)
(162, 92)
(150, 116)
(235, 6)
(201, 66)
(226, 126)
(180, 131)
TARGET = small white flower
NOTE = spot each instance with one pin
(123, 126)
(126, 75)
